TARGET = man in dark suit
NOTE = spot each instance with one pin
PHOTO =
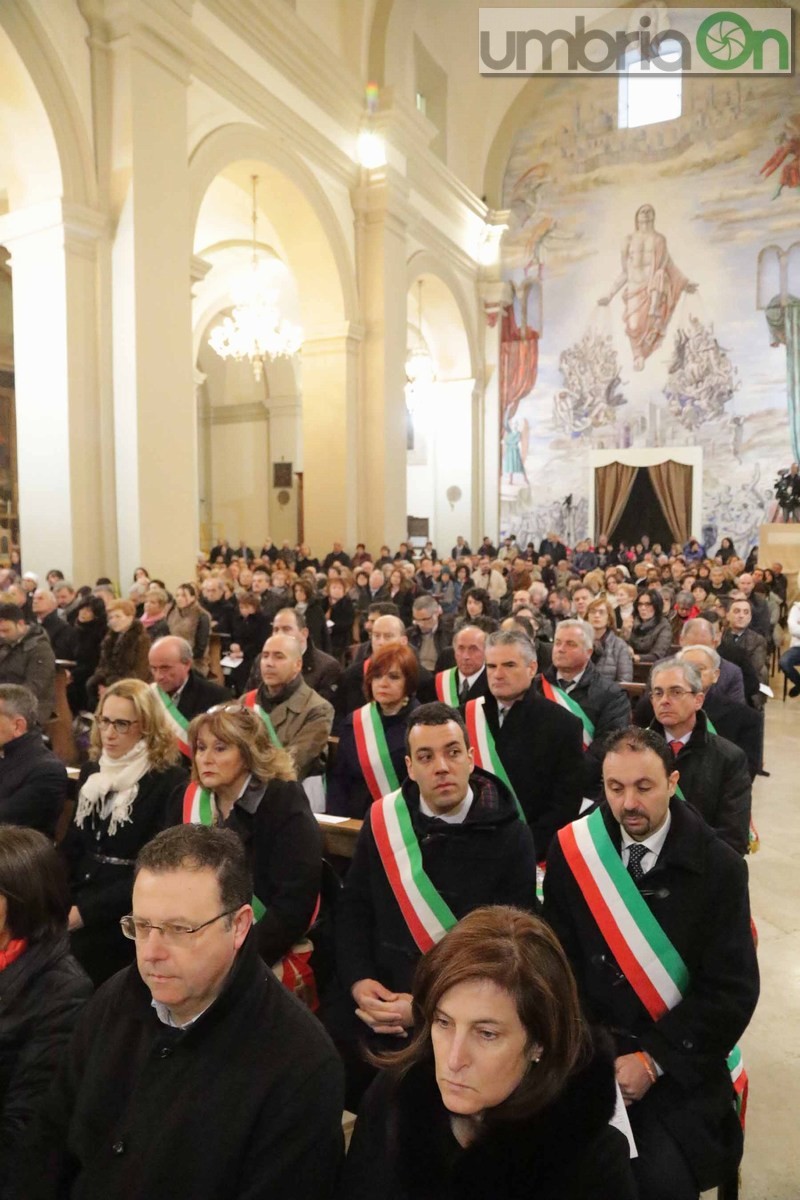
(603, 702)
(671, 1045)
(539, 744)
(468, 655)
(33, 782)
(63, 637)
(170, 660)
(699, 631)
(321, 671)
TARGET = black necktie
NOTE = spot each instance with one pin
(635, 855)
(566, 684)
(464, 693)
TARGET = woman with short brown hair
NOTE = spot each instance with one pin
(502, 1091)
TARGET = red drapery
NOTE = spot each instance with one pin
(519, 360)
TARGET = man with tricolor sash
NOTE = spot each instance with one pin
(448, 841)
(298, 718)
(714, 772)
(652, 909)
(539, 745)
(183, 692)
(576, 685)
(461, 669)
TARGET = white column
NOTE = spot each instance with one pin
(494, 295)
(65, 505)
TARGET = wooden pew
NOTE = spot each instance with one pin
(59, 729)
(339, 838)
(214, 656)
(634, 691)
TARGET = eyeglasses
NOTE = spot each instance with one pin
(120, 726)
(674, 693)
(171, 933)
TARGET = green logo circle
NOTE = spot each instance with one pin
(724, 41)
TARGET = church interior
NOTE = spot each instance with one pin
(447, 262)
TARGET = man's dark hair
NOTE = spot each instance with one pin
(486, 625)
(638, 740)
(103, 581)
(55, 571)
(198, 848)
(709, 615)
(435, 713)
(19, 701)
(383, 608)
(521, 622)
(34, 883)
(11, 612)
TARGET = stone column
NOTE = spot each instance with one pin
(493, 294)
(66, 505)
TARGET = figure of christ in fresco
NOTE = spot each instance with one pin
(653, 285)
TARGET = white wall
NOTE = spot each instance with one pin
(444, 424)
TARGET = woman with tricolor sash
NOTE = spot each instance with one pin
(503, 1092)
(241, 781)
(370, 760)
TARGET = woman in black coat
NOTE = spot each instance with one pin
(91, 626)
(390, 683)
(310, 606)
(42, 988)
(123, 796)
(241, 781)
(651, 636)
(340, 614)
(502, 1091)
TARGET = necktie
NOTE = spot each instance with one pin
(501, 716)
(676, 747)
(464, 693)
(635, 855)
(566, 684)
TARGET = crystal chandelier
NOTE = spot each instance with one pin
(256, 330)
(419, 364)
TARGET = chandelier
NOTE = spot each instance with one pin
(256, 330)
(419, 364)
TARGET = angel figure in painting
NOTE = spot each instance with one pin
(787, 156)
(515, 448)
(653, 285)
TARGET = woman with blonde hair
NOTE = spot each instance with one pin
(502, 1090)
(124, 650)
(242, 781)
(123, 796)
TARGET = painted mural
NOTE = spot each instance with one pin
(655, 275)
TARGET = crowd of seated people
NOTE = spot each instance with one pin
(478, 714)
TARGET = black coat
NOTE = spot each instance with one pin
(284, 851)
(488, 859)
(698, 893)
(347, 792)
(541, 748)
(445, 662)
(403, 1147)
(737, 723)
(342, 613)
(33, 784)
(714, 777)
(89, 637)
(199, 695)
(350, 692)
(607, 707)
(244, 1103)
(41, 994)
(63, 637)
(102, 890)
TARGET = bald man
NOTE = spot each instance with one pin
(350, 695)
(301, 718)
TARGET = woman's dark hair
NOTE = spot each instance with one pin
(520, 954)
(187, 587)
(480, 594)
(655, 599)
(462, 567)
(34, 883)
(393, 655)
(307, 588)
(97, 607)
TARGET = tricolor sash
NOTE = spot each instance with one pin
(426, 914)
(560, 697)
(294, 970)
(484, 748)
(373, 751)
(447, 686)
(645, 955)
(249, 700)
(175, 719)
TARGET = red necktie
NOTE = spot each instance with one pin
(676, 747)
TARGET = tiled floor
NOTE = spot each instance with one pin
(771, 1168)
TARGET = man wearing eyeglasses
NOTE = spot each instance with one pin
(194, 1073)
(714, 776)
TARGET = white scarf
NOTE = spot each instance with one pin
(111, 791)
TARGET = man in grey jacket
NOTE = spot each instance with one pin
(26, 657)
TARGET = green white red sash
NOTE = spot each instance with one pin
(483, 746)
(373, 751)
(200, 808)
(447, 686)
(249, 700)
(426, 914)
(560, 697)
(175, 719)
(645, 955)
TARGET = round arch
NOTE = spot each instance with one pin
(320, 246)
(47, 74)
(423, 262)
(520, 112)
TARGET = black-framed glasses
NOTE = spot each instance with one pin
(120, 725)
(171, 932)
(674, 693)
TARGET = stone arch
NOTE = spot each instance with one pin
(423, 262)
(46, 71)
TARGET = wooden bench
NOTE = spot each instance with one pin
(339, 837)
(59, 729)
